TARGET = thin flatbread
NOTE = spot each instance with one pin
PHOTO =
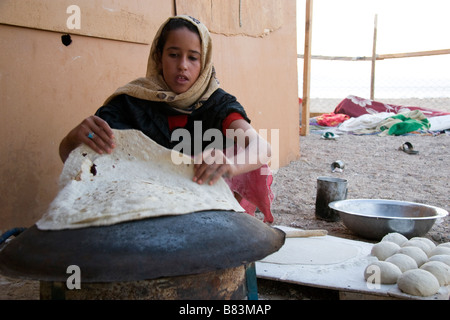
(312, 251)
(137, 180)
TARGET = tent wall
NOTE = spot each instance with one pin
(46, 88)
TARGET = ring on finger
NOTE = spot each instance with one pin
(91, 135)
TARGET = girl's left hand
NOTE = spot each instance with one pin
(211, 165)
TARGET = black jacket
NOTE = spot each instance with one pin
(126, 112)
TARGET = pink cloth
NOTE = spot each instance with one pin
(355, 106)
(255, 189)
(331, 119)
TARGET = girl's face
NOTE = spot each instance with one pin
(181, 59)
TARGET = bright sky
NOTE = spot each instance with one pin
(345, 27)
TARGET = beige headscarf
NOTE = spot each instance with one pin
(154, 88)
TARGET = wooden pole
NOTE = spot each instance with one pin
(307, 69)
(381, 56)
(413, 54)
(374, 59)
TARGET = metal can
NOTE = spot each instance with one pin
(337, 165)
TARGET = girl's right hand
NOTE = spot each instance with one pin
(92, 131)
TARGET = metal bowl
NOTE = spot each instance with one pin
(374, 218)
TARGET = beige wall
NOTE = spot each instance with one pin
(47, 88)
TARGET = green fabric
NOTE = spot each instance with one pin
(402, 123)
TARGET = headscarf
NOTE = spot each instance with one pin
(154, 88)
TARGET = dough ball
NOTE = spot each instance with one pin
(395, 237)
(440, 270)
(416, 253)
(418, 282)
(430, 243)
(388, 272)
(417, 243)
(445, 258)
(384, 249)
(403, 261)
(445, 244)
(439, 250)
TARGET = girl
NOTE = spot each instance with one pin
(180, 90)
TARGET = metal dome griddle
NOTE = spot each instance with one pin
(142, 249)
